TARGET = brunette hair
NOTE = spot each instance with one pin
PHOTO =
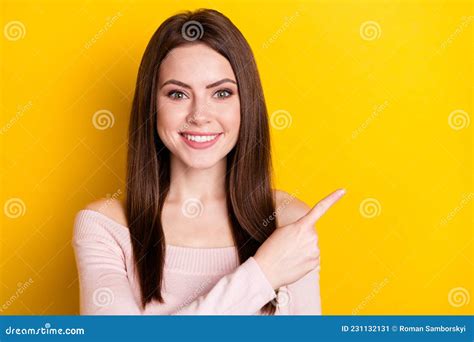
(248, 182)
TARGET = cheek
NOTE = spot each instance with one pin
(169, 119)
(165, 132)
(231, 119)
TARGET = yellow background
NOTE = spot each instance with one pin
(369, 111)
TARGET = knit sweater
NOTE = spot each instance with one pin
(197, 281)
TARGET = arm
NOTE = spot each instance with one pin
(105, 289)
(103, 280)
(243, 292)
(305, 295)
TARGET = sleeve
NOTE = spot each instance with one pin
(243, 292)
(105, 288)
(304, 295)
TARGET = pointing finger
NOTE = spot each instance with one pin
(322, 206)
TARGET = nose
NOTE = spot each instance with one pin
(199, 113)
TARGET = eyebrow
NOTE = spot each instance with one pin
(184, 85)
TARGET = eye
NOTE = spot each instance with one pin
(177, 95)
(223, 93)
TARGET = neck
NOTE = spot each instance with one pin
(203, 184)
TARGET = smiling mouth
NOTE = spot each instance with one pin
(198, 140)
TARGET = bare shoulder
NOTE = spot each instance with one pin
(110, 207)
(288, 207)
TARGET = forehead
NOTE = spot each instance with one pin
(195, 64)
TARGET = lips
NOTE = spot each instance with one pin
(200, 140)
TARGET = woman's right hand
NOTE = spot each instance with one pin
(292, 251)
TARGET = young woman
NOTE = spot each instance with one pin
(200, 231)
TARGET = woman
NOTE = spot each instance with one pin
(197, 233)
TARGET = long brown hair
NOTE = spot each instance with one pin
(248, 178)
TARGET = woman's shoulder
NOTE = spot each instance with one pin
(101, 219)
(99, 230)
(288, 207)
(111, 208)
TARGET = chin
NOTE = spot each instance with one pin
(201, 163)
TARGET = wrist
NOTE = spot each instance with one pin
(266, 270)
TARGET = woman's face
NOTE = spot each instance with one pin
(198, 105)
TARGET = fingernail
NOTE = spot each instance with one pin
(342, 191)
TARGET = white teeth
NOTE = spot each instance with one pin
(200, 138)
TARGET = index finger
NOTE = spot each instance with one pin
(322, 206)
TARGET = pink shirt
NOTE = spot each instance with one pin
(197, 281)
